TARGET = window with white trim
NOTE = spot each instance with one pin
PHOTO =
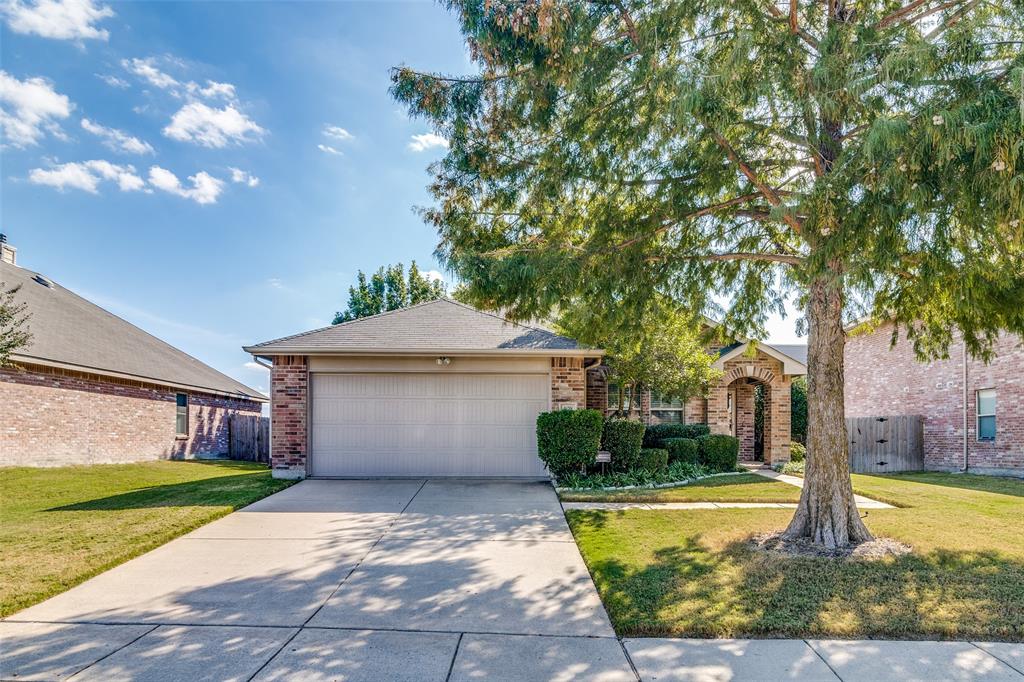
(613, 397)
(987, 414)
(181, 414)
(665, 410)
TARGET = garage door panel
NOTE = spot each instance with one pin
(426, 424)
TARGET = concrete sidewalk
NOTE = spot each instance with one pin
(722, 660)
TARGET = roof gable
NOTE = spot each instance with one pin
(439, 326)
(68, 330)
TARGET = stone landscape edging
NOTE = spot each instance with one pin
(671, 484)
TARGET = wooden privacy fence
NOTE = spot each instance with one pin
(249, 438)
(884, 444)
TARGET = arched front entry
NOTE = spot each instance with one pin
(731, 408)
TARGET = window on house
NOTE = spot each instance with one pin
(181, 417)
(665, 410)
(987, 414)
(613, 397)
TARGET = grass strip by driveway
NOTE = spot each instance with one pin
(61, 526)
(692, 573)
(738, 488)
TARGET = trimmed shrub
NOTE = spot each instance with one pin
(682, 450)
(653, 460)
(719, 451)
(567, 440)
(797, 452)
(623, 438)
(656, 434)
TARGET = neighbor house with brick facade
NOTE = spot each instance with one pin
(973, 410)
(91, 388)
(444, 389)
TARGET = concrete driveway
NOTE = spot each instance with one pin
(340, 580)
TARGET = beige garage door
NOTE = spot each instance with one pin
(426, 424)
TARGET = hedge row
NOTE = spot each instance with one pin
(568, 441)
(656, 434)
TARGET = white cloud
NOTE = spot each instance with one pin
(29, 108)
(147, 70)
(243, 177)
(210, 127)
(421, 143)
(434, 275)
(59, 19)
(255, 366)
(87, 176)
(338, 133)
(213, 90)
(276, 282)
(117, 140)
(113, 81)
(329, 149)
(204, 190)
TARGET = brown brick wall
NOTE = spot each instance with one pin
(54, 417)
(597, 389)
(568, 384)
(289, 396)
(883, 380)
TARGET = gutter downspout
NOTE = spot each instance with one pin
(964, 361)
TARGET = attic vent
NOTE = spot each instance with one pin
(39, 279)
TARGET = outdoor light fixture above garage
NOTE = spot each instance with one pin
(444, 361)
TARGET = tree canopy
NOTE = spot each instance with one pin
(13, 318)
(388, 289)
(863, 156)
(664, 350)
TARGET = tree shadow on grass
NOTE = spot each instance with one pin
(694, 590)
(235, 490)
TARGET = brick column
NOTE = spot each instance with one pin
(289, 396)
(718, 408)
(745, 420)
(597, 389)
(777, 429)
(568, 384)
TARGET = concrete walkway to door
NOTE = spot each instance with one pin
(355, 580)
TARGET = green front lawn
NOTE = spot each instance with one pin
(692, 573)
(732, 488)
(61, 526)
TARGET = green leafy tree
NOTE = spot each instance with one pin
(389, 289)
(13, 318)
(863, 156)
(798, 409)
(662, 350)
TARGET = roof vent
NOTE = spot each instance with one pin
(39, 279)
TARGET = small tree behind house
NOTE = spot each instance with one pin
(388, 289)
(14, 317)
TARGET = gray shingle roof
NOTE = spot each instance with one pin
(797, 351)
(70, 330)
(434, 326)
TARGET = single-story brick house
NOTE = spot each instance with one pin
(973, 411)
(91, 388)
(443, 389)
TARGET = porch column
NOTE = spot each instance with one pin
(718, 409)
(777, 421)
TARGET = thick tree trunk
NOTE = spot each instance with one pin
(827, 513)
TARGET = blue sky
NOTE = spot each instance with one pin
(217, 172)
